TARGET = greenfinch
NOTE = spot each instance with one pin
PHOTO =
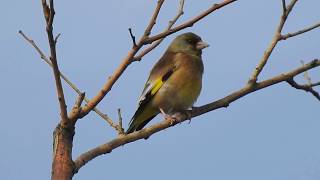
(174, 83)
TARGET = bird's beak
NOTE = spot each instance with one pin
(201, 45)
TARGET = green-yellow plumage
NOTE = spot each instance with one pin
(174, 83)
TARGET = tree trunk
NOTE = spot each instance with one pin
(62, 165)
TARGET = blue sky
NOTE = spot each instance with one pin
(270, 134)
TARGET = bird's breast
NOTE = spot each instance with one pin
(180, 91)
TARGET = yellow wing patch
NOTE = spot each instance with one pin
(151, 89)
(157, 85)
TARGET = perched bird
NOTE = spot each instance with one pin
(174, 83)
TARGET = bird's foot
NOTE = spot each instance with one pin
(168, 117)
(174, 118)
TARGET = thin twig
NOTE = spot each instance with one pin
(284, 6)
(156, 43)
(306, 75)
(46, 10)
(224, 102)
(43, 57)
(65, 78)
(289, 35)
(153, 20)
(80, 100)
(190, 22)
(56, 38)
(133, 38)
(306, 88)
(314, 84)
(120, 128)
(179, 13)
(77, 105)
(52, 13)
(276, 38)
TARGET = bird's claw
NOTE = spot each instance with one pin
(171, 119)
(167, 117)
(175, 117)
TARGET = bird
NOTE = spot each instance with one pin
(174, 82)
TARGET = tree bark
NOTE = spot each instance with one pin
(62, 165)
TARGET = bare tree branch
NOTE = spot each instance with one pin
(153, 20)
(120, 129)
(46, 10)
(56, 38)
(179, 13)
(79, 100)
(49, 16)
(42, 56)
(276, 38)
(306, 88)
(133, 38)
(77, 106)
(197, 111)
(306, 75)
(189, 23)
(284, 6)
(289, 35)
(65, 78)
(224, 102)
(156, 43)
(313, 84)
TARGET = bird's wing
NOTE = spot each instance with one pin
(149, 91)
(161, 72)
(152, 87)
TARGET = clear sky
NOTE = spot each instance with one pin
(270, 134)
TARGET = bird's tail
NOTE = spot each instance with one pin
(141, 118)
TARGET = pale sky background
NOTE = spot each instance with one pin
(270, 134)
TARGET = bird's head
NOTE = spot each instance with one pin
(188, 43)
